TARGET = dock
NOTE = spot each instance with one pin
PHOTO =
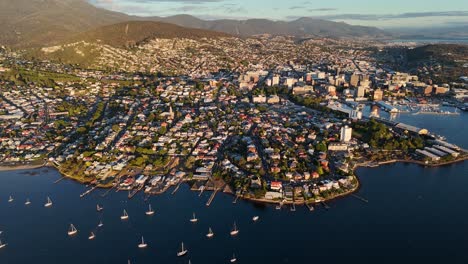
(88, 192)
(325, 205)
(176, 188)
(202, 189)
(235, 200)
(108, 191)
(360, 198)
(135, 191)
(212, 197)
(311, 208)
(59, 180)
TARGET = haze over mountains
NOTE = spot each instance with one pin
(27, 23)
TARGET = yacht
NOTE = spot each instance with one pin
(233, 259)
(92, 236)
(255, 218)
(234, 231)
(28, 202)
(72, 231)
(48, 203)
(142, 244)
(2, 245)
(182, 251)
(210, 233)
(99, 208)
(10, 199)
(125, 215)
(150, 210)
(194, 219)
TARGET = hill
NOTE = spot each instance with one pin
(301, 27)
(27, 23)
(135, 32)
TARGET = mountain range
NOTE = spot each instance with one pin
(33, 23)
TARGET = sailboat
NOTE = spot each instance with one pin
(142, 244)
(182, 251)
(28, 202)
(48, 203)
(150, 211)
(124, 216)
(10, 199)
(234, 231)
(194, 219)
(99, 208)
(255, 218)
(100, 224)
(233, 259)
(72, 231)
(92, 236)
(210, 233)
(2, 245)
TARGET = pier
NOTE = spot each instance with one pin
(212, 197)
(176, 188)
(202, 189)
(135, 191)
(360, 198)
(235, 200)
(311, 208)
(88, 192)
(326, 206)
(59, 180)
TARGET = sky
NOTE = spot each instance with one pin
(383, 14)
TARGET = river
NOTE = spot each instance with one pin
(414, 215)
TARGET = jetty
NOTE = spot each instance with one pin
(176, 188)
(360, 198)
(325, 205)
(88, 192)
(60, 179)
(135, 191)
(212, 197)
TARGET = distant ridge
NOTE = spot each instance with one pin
(300, 27)
(36, 23)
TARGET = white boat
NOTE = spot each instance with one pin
(48, 203)
(210, 233)
(182, 251)
(233, 259)
(194, 219)
(92, 236)
(2, 245)
(28, 202)
(100, 224)
(150, 210)
(255, 218)
(10, 199)
(124, 216)
(234, 231)
(72, 231)
(142, 244)
(99, 208)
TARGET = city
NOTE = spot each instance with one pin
(233, 131)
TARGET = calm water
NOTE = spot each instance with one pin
(414, 215)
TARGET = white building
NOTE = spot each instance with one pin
(346, 134)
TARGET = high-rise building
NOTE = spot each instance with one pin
(346, 134)
(360, 92)
(378, 95)
(354, 80)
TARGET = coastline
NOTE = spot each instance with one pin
(266, 201)
(4, 168)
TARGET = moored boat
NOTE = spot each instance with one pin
(72, 230)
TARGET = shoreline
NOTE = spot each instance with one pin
(266, 201)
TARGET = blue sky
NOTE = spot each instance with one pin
(385, 14)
